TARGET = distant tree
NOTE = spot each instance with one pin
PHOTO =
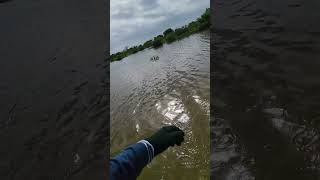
(134, 49)
(205, 17)
(157, 42)
(148, 44)
(140, 48)
(181, 31)
(193, 26)
(168, 31)
(159, 36)
(171, 37)
(204, 25)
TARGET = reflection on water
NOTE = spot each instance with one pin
(174, 110)
(146, 95)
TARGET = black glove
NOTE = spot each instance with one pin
(165, 137)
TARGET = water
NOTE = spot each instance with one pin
(146, 95)
(53, 90)
(266, 104)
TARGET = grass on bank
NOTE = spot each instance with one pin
(168, 36)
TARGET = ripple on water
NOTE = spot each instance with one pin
(173, 110)
(228, 158)
(203, 104)
(305, 138)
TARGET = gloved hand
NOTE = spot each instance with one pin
(165, 137)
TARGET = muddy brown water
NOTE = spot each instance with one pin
(146, 95)
(266, 101)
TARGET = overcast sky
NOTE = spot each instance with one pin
(133, 22)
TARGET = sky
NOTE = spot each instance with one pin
(133, 22)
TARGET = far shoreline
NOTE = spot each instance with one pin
(169, 36)
(163, 46)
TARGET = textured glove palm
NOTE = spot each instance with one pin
(165, 137)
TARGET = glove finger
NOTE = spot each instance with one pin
(176, 137)
(180, 140)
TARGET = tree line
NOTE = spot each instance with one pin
(168, 36)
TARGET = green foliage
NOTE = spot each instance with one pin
(158, 41)
(204, 26)
(181, 31)
(148, 44)
(204, 20)
(160, 37)
(169, 36)
(205, 17)
(193, 27)
(168, 31)
(140, 48)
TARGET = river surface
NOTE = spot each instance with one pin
(146, 95)
(266, 101)
(53, 90)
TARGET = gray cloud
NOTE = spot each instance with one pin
(149, 4)
(135, 21)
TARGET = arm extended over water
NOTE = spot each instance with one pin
(130, 162)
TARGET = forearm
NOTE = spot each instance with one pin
(130, 162)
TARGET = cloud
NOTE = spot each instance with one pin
(135, 21)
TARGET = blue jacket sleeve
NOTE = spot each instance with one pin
(129, 163)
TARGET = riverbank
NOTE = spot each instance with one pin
(168, 36)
